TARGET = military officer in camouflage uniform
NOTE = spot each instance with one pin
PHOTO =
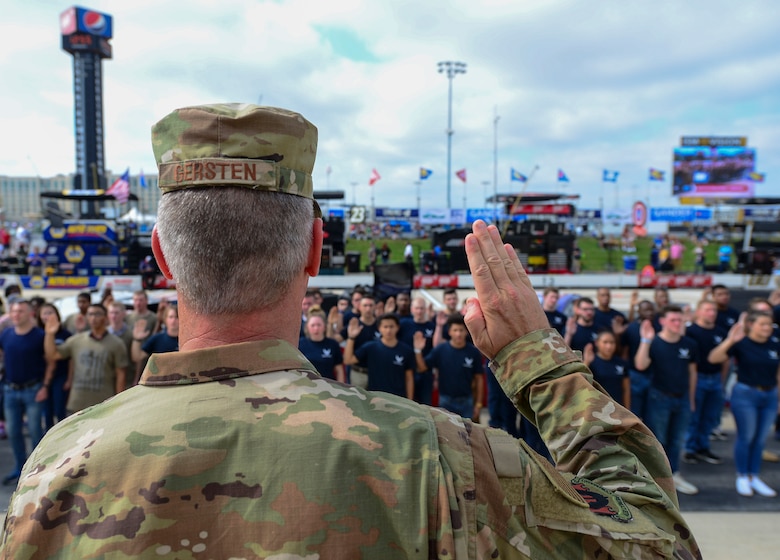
(235, 447)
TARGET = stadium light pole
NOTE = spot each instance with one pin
(495, 165)
(451, 69)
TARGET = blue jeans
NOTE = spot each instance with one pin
(706, 417)
(459, 405)
(58, 399)
(640, 393)
(754, 412)
(668, 418)
(17, 403)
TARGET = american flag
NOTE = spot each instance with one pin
(121, 187)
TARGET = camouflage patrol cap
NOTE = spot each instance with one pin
(236, 145)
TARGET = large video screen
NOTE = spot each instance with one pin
(714, 171)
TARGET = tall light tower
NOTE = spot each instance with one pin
(451, 69)
(495, 166)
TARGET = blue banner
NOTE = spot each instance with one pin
(62, 282)
(487, 214)
(678, 214)
(396, 213)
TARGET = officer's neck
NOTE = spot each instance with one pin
(278, 321)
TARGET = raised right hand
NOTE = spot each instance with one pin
(506, 307)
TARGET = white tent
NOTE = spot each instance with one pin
(134, 215)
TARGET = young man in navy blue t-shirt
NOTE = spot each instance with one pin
(557, 320)
(459, 366)
(629, 342)
(419, 322)
(709, 385)
(580, 329)
(390, 363)
(671, 357)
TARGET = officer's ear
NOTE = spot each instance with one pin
(315, 252)
(158, 255)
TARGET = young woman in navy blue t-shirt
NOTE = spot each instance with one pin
(754, 397)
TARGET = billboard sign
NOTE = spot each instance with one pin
(488, 214)
(677, 214)
(544, 209)
(396, 213)
(80, 20)
(617, 216)
(714, 167)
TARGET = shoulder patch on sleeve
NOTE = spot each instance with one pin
(601, 501)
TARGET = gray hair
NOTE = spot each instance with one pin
(233, 250)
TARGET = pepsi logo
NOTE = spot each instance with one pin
(94, 22)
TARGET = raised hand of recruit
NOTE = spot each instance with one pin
(418, 340)
(354, 327)
(646, 329)
(737, 330)
(139, 330)
(506, 307)
(52, 325)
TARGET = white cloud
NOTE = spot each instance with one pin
(578, 85)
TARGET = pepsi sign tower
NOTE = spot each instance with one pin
(85, 35)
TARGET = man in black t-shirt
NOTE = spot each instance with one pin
(418, 322)
(580, 329)
(672, 359)
(727, 315)
(557, 320)
(606, 317)
(368, 332)
(390, 362)
(709, 385)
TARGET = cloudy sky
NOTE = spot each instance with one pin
(577, 85)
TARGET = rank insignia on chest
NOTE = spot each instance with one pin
(601, 501)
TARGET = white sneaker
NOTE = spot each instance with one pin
(683, 486)
(761, 488)
(744, 487)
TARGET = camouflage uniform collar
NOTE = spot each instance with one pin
(222, 363)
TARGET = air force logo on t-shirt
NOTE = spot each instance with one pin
(428, 333)
(773, 354)
(468, 362)
(398, 360)
(326, 353)
(377, 335)
(685, 354)
(619, 370)
(717, 339)
(558, 320)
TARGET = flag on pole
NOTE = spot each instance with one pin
(562, 178)
(375, 176)
(656, 174)
(120, 189)
(142, 179)
(461, 175)
(517, 176)
(757, 177)
(425, 173)
(610, 176)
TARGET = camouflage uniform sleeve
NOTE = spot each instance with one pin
(588, 434)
